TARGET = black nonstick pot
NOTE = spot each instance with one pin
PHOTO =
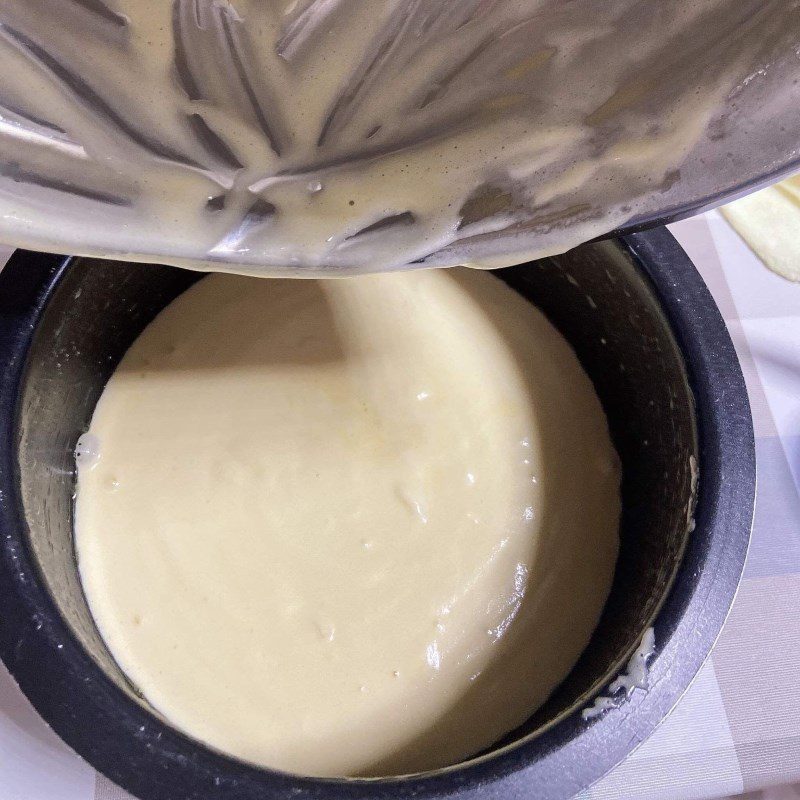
(647, 332)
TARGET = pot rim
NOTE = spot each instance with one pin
(154, 761)
(708, 202)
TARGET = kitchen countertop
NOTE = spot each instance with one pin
(737, 728)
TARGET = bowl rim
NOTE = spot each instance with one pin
(706, 202)
(147, 757)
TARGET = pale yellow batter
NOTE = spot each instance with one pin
(769, 221)
(354, 527)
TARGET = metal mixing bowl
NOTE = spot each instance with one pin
(647, 332)
(631, 112)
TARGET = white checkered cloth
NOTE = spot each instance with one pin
(737, 729)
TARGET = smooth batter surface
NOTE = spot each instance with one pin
(270, 136)
(354, 527)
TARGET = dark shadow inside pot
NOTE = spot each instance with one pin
(595, 296)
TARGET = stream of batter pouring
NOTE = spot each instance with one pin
(293, 137)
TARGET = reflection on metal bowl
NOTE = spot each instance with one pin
(648, 334)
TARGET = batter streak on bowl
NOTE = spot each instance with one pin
(324, 135)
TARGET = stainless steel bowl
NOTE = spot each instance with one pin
(665, 107)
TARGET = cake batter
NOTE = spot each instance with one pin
(353, 527)
(275, 136)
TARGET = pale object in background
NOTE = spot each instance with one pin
(769, 221)
(735, 733)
